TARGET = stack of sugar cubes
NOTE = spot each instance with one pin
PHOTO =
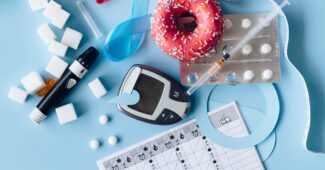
(33, 82)
(58, 17)
(71, 38)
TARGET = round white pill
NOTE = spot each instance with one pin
(266, 48)
(103, 119)
(246, 23)
(228, 24)
(248, 75)
(262, 20)
(112, 140)
(247, 49)
(267, 75)
(94, 144)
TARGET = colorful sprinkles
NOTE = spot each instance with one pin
(187, 46)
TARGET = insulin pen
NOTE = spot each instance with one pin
(65, 84)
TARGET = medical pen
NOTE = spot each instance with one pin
(64, 85)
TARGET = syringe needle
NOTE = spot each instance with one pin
(218, 65)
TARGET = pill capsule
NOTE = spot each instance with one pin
(262, 20)
(103, 119)
(94, 144)
(112, 140)
(247, 49)
(267, 75)
(246, 23)
(228, 24)
(266, 48)
(248, 75)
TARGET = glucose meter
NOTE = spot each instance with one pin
(162, 99)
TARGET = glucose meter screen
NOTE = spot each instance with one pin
(150, 91)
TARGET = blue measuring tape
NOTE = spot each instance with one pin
(258, 135)
(126, 38)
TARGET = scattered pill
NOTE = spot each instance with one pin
(228, 24)
(103, 119)
(267, 75)
(36, 5)
(266, 48)
(94, 144)
(66, 113)
(58, 48)
(56, 66)
(18, 95)
(97, 88)
(51, 10)
(247, 49)
(248, 75)
(112, 140)
(46, 33)
(49, 84)
(246, 23)
(60, 18)
(32, 82)
(71, 38)
(266, 24)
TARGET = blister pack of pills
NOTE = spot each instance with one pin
(257, 62)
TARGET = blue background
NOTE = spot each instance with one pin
(24, 145)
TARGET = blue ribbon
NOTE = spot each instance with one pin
(126, 38)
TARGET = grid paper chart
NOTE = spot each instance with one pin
(185, 147)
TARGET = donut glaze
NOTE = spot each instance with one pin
(182, 45)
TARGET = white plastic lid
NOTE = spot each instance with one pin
(37, 116)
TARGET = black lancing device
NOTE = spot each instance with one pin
(65, 84)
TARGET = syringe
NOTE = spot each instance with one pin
(90, 21)
(218, 65)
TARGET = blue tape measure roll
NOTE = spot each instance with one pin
(258, 135)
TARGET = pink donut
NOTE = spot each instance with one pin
(182, 44)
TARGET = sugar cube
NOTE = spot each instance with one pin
(56, 66)
(36, 5)
(33, 82)
(18, 95)
(66, 113)
(71, 38)
(60, 18)
(58, 48)
(97, 88)
(46, 33)
(51, 10)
